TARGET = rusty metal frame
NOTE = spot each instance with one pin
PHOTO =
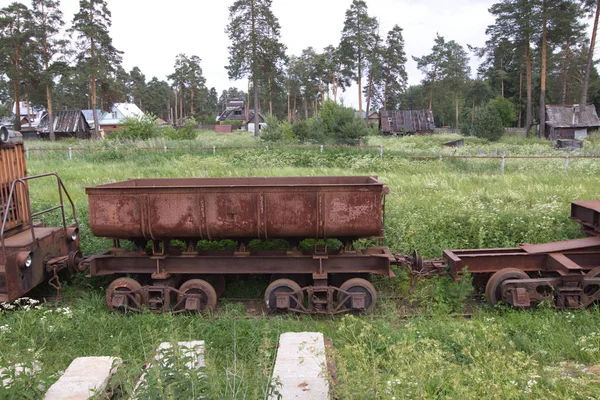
(23, 181)
(118, 261)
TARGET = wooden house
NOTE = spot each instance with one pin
(406, 121)
(570, 121)
(235, 110)
(373, 117)
(66, 124)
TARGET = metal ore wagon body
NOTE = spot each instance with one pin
(154, 212)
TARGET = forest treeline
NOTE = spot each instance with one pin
(537, 52)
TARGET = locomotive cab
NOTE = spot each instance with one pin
(30, 252)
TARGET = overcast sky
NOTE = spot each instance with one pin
(152, 32)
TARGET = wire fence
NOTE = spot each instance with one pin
(379, 149)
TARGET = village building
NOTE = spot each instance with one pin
(372, 119)
(113, 120)
(570, 121)
(235, 110)
(66, 124)
(89, 116)
(397, 122)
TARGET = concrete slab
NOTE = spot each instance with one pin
(300, 367)
(85, 377)
(193, 352)
(6, 374)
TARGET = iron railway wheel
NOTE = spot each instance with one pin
(126, 286)
(282, 286)
(492, 289)
(360, 285)
(218, 283)
(204, 290)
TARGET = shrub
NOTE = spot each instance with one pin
(277, 131)
(188, 132)
(274, 244)
(234, 122)
(137, 128)
(488, 124)
(309, 244)
(225, 244)
(210, 119)
(505, 109)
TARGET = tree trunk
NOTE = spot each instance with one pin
(288, 107)
(256, 105)
(16, 84)
(192, 102)
(563, 94)
(473, 112)
(359, 81)
(294, 110)
(335, 86)
(430, 97)
(50, 114)
(181, 113)
(305, 108)
(93, 89)
(176, 108)
(456, 108)
(528, 112)
(590, 59)
(542, 111)
(520, 121)
(369, 98)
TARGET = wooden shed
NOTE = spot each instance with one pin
(406, 121)
(570, 121)
(66, 124)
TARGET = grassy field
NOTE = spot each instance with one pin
(434, 204)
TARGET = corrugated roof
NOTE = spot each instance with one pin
(89, 115)
(571, 116)
(407, 121)
(65, 122)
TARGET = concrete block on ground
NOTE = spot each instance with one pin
(301, 367)
(6, 374)
(85, 377)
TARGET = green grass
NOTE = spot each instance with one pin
(433, 205)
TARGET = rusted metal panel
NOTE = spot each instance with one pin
(12, 166)
(217, 208)
(587, 213)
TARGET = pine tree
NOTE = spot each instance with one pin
(394, 69)
(15, 32)
(430, 66)
(255, 49)
(96, 52)
(517, 22)
(590, 5)
(47, 23)
(359, 36)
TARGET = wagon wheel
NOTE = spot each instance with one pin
(126, 294)
(493, 288)
(591, 290)
(359, 285)
(201, 291)
(218, 283)
(283, 286)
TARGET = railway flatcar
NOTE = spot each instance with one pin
(30, 252)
